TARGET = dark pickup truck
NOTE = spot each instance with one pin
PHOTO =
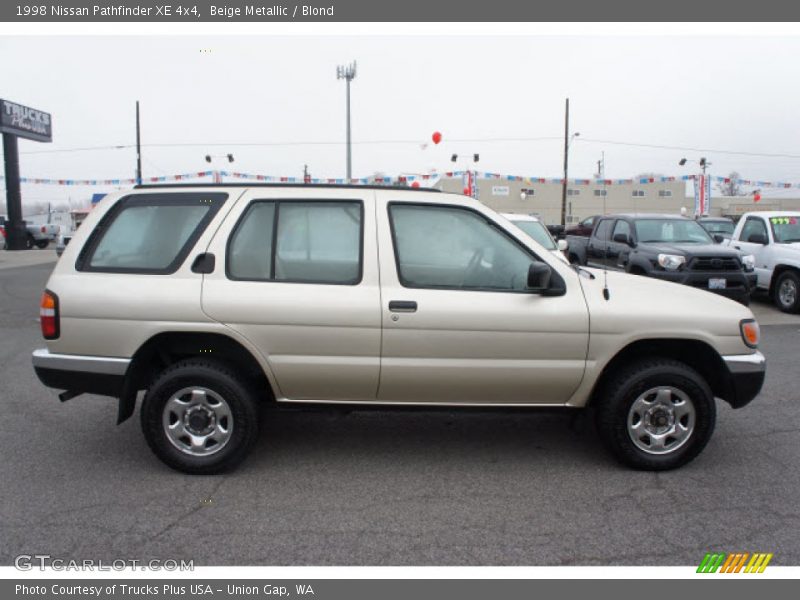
(666, 247)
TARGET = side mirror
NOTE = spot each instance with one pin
(622, 238)
(757, 238)
(539, 274)
(718, 238)
(563, 245)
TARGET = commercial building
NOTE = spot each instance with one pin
(586, 198)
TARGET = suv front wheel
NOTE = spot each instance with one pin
(657, 414)
(199, 418)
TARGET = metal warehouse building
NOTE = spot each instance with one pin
(543, 199)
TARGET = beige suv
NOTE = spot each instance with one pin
(216, 300)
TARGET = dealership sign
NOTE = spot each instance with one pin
(25, 122)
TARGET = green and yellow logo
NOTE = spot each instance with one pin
(744, 562)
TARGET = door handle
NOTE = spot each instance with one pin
(738, 247)
(402, 306)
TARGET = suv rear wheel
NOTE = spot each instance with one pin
(199, 418)
(657, 414)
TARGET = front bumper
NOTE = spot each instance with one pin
(738, 284)
(81, 374)
(745, 377)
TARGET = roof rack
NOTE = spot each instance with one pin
(287, 185)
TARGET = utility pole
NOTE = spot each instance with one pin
(138, 148)
(348, 73)
(566, 167)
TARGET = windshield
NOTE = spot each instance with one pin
(786, 229)
(718, 227)
(537, 231)
(672, 231)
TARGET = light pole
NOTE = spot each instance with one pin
(567, 143)
(702, 202)
(217, 174)
(348, 73)
(475, 158)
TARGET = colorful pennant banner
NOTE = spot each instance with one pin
(427, 178)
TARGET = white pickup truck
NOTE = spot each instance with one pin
(773, 238)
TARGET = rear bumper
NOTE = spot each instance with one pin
(745, 377)
(82, 374)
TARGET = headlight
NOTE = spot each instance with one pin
(751, 333)
(749, 262)
(671, 262)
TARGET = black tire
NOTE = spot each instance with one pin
(787, 292)
(42, 244)
(240, 401)
(629, 385)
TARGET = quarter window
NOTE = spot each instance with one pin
(149, 233)
(455, 248)
(301, 242)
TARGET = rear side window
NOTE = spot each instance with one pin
(299, 242)
(149, 233)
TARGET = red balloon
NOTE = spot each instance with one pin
(415, 184)
(436, 137)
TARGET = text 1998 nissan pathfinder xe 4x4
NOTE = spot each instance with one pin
(216, 299)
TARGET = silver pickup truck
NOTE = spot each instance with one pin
(39, 236)
(215, 301)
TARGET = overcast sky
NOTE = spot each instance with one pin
(715, 93)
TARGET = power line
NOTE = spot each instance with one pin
(278, 144)
(416, 142)
(689, 149)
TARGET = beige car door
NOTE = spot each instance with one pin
(297, 275)
(459, 326)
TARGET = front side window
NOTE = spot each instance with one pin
(603, 229)
(149, 233)
(455, 248)
(298, 241)
(621, 227)
(753, 226)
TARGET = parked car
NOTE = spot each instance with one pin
(666, 247)
(773, 238)
(718, 228)
(584, 228)
(537, 230)
(217, 300)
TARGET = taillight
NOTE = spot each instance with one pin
(48, 315)
(44, 229)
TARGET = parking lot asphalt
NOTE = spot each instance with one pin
(388, 488)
